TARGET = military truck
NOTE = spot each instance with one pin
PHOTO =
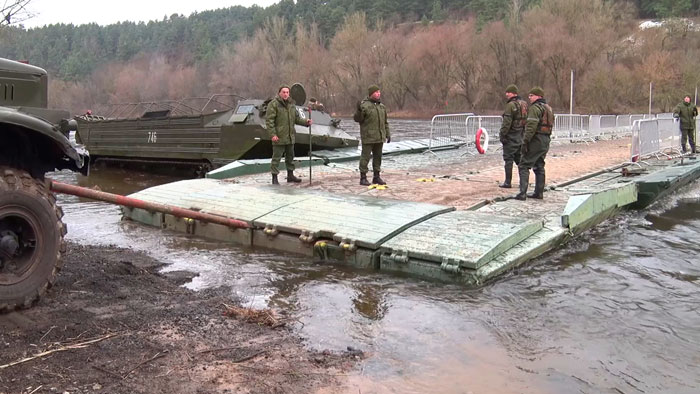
(199, 133)
(33, 140)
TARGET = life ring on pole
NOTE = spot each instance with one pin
(482, 147)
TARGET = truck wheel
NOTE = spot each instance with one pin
(31, 239)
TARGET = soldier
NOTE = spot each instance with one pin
(511, 134)
(687, 112)
(280, 119)
(316, 105)
(538, 129)
(374, 130)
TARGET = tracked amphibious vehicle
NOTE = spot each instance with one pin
(200, 133)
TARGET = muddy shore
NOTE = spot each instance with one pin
(113, 324)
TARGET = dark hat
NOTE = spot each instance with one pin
(312, 100)
(537, 91)
(512, 89)
(282, 87)
(372, 89)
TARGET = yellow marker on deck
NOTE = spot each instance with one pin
(378, 187)
(425, 180)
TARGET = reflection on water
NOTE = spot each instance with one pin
(615, 311)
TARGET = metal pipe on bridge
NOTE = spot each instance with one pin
(64, 188)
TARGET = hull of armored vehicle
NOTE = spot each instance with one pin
(207, 140)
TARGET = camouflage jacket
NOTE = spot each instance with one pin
(514, 117)
(280, 119)
(686, 112)
(374, 126)
(540, 119)
(317, 107)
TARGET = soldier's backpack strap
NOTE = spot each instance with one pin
(522, 112)
(547, 121)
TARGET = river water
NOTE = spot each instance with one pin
(614, 311)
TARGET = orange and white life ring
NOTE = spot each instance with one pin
(482, 147)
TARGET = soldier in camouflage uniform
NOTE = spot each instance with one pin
(280, 118)
(687, 112)
(538, 129)
(316, 105)
(374, 130)
(511, 133)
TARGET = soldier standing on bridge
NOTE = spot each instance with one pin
(280, 119)
(511, 133)
(538, 129)
(374, 130)
(687, 112)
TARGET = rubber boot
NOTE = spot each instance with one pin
(291, 178)
(363, 179)
(539, 187)
(274, 179)
(509, 176)
(377, 180)
(692, 147)
(524, 174)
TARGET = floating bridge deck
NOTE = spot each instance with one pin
(432, 241)
(340, 155)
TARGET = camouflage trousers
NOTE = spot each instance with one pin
(537, 150)
(277, 152)
(375, 151)
(687, 135)
(511, 149)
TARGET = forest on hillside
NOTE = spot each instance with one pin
(428, 56)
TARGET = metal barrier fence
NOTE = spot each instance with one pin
(669, 134)
(650, 136)
(628, 120)
(570, 127)
(492, 125)
(653, 137)
(623, 120)
(447, 129)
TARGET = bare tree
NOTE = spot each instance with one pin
(14, 11)
(313, 64)
(353, 49)
(399, 74)
(561, 40)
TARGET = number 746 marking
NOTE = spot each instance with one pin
(152, 137)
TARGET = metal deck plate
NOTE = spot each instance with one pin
(223, 198)
(670, 173)
(363, 220)
(470, 239)
(366, 221)
(173, 193)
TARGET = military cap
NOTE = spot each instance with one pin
(537, 91)
(512, 89)
(312, 100)
(282, 87)
(372, 89)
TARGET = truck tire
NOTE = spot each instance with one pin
(30, 222)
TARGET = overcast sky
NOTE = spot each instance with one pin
(102, 12)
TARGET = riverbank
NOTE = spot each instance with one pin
(112, 323)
